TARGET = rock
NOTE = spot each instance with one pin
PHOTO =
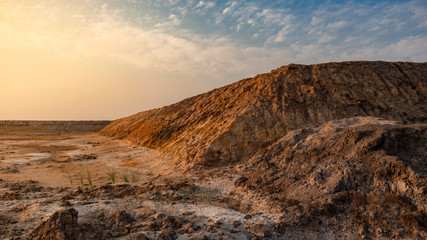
(167, 234)
(199, 236)
(217, 223)
(158, 216)
(414, 221)
(236, 223)
(170, 222)
(122, 218)
(61, 225)
(259, 230)
(188, 228)
(140, 236)
(210, 229)
(186, 213)
(8, 196)
(81, 158)
(66, 203)
(121, 221)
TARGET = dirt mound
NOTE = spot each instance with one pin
(61, 225)
(362, 173)
(233, 122)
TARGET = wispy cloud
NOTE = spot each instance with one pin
(280, 36)
(230, 7)
(337, 25)
(108, 34)
(172, 20)
(205, 4)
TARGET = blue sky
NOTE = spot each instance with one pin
(285, 23)
(123, 56)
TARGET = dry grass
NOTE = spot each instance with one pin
(135, 176)
(89, 178)
(125, 177)
(112, 175)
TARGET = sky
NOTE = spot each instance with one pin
(103, 60)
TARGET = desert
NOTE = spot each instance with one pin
(213, 119)
(326, 151)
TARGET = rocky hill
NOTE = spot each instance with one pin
(363, 173)
(232, 123)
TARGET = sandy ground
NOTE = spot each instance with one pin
(62, 160)
(43, 173)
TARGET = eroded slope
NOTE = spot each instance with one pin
(233, 122)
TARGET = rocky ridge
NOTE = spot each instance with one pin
(364, 174)
(232, 123)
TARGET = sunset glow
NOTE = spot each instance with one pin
(108, 59)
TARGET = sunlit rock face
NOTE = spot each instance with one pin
(230, 124)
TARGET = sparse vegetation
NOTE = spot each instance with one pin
(112, 175)
(205, 195)
(71, 180)
(135, 176)
(125, 177)
(89, 178)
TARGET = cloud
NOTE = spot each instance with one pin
(414, 48)
(280, 36)
(337, 25)
(205, 5)
(170, 48)
(275, 16)
(231, 6)
(174, 20)
(171, 21)
(255, 17)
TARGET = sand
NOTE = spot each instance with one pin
(60, 160)
(45, 175)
